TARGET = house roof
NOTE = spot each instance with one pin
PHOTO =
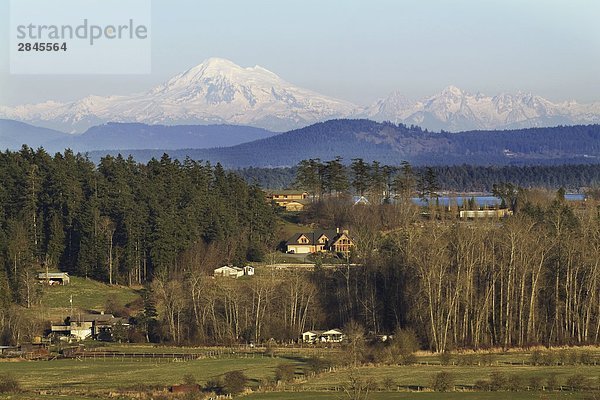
(286, 191)
(53, 275)
(94, 318)
(360, 200)
(333, 332)
(317, 333)
(330, 234)
(339, 236)
(227, 267)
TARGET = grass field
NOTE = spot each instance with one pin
(103, 376)
(422, 375)
(87, 294)
(421, 396)
(73, 379)
(372, 396)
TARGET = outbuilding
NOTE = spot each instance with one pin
(54, 278)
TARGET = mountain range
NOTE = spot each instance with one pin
(218, 91)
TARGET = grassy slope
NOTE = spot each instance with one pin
(87, 295)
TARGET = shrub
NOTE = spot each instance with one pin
(514, 383)
(408, 359)
(234, 382)
(487, 359)
(562, 356)
(388, 384)
(536, 382)
(270, 349)
(498, 381)
(189, 379)
(445, 358)
(585, 358)
(9, 384)
(316, 365)
(536, 357)
(285, 372)
(482, 384)
(552, 382)
(577, 382)
(467, 359)
(573, 357)
(442, 382)
(214, 385)
(549, 358)
(402, 347)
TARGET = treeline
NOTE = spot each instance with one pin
(121, 221)
(532, 279)
(528, 280)
(462, 178)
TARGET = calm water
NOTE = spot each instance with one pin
(489, 201)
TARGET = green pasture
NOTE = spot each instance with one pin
(87, 295)
(105, 375)
(422, 396)
(422, 375)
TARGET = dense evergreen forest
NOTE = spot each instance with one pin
(120, 222)
(461, 178)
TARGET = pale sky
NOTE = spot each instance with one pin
(359, 50)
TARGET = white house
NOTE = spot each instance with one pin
(333, 335)
(229, 271)
(311, 336)
(248, 270)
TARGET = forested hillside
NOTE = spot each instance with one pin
(390, 144)
(121, 222)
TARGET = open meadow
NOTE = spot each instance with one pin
(473, 376)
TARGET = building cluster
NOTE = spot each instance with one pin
(323, 336)
(87, 326)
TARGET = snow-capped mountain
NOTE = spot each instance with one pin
(220, 92)
(215, 92)
(456, 110)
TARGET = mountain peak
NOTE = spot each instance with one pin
(218, 61)
(452, 90)
(223, 71)
(212, 65)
